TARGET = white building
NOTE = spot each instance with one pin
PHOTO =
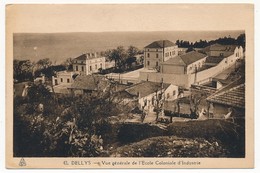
(62, 77)
(88, 63)
(147, 93)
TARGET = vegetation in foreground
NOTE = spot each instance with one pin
(74, 126)
(171, 146)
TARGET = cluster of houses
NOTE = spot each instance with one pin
(168, 72)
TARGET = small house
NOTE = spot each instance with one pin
(228, 101)
(148, 93)
(87, 84)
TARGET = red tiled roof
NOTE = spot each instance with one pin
(192, 57)
(185, 59)
(89, 82)
(175, 61)
(145, 88)
(214, 60)
(160, 44)
(88, 56)
(219, 47)
(234, 96)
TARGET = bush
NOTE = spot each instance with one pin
(229, 133)
(132, 132)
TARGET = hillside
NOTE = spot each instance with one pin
(171, 146)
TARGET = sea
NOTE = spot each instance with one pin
(61, 46)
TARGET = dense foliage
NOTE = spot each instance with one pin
(123, 58)
(240, 40)
(45, 125)
(25, 70)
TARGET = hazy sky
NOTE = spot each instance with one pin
(98, 18)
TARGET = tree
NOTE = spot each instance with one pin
(131, 51)
(44, 63)
(241, 40)
(23, 70)
(129, 61)
(118, 55)
(177, 43)
(69, 129)
(68, 63)
(189, 49)
(38, 93)
(176, 109)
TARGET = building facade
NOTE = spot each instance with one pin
(158, 52)
(218, 50)
(228, 102)
(148, 93)
(62, 77)
(184, 64)
(88, 63)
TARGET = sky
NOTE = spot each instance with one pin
(100, 18)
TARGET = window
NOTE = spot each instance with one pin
(173, 93)
(156, 50)
(61, 80)
(157, 55)
(77, 69)
(100, 65)
(148, 55)
(68, 80)
(96, 66)
(148, 63)
(157, 64)
(168, 95)
(170, 53)
(82, 68)
(90, 68)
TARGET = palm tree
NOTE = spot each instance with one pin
(118, 55)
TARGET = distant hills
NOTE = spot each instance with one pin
(60, 46)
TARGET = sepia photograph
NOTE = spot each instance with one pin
(129, 85)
